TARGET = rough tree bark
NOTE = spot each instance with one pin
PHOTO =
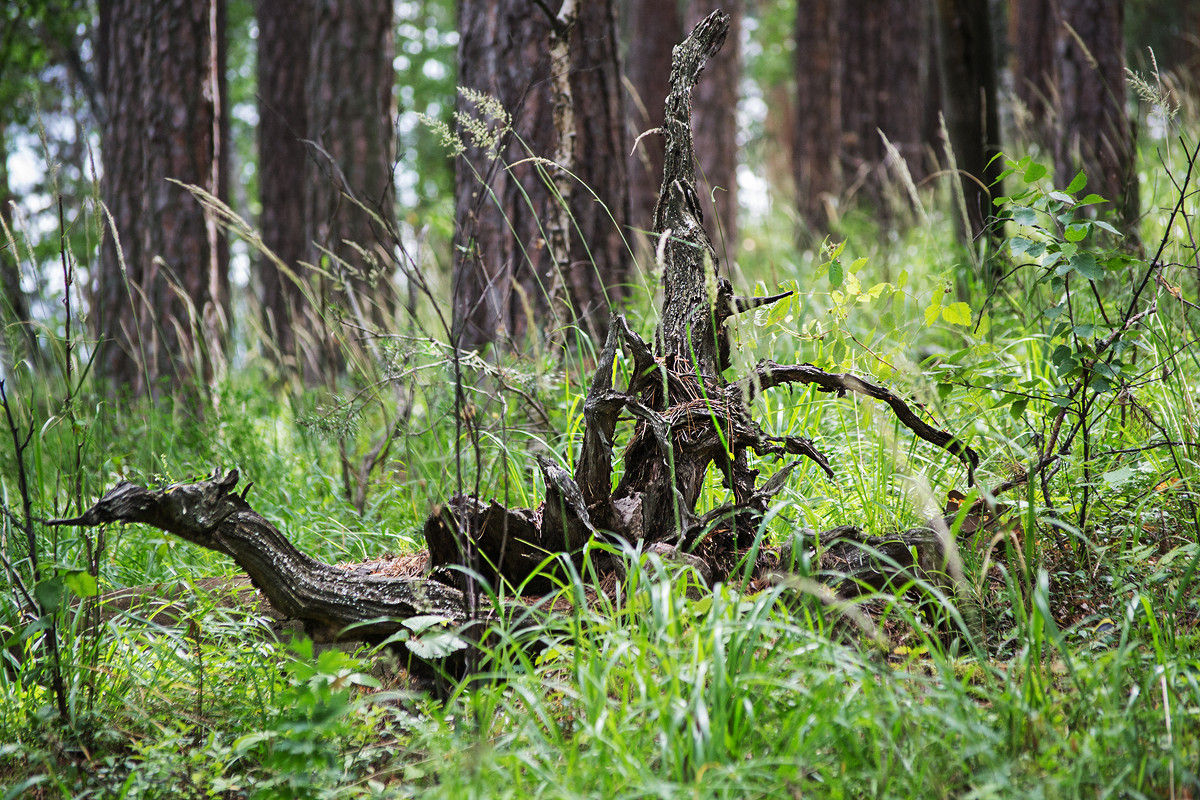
(715, 128)
(818, 97)
(351, 114)
(969, 100)
(284, 49)
(1069, 72)
(508, 272)
(687, 417)
(161, 309)
(650, 28)
(1095, 134)
(860, 75)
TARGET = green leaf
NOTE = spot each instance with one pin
(1077, 231)
(1034, 172)
(424, 622)
(1104, 226)
(1092, 199)
(1031, 248)
(81, 583)
(957, 314)
(934, 309)
(835, 273)
(49, 594)
(1017, 409)
(1077, 183)
(1118, 477)
(1023, 215)
(1085, 264)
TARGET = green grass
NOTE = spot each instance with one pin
(1083, 679)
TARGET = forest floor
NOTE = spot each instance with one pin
(1080, 677)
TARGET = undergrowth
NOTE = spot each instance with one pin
(1074, 377)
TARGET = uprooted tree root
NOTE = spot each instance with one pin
(686, 417)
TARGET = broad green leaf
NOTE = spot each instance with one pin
(49, 594)
(436, 645)
(1077, 183)
(1104, 226)
(1019, 245)
(1061, 355)
(1034, 172)
(934, 309)
(1118, 477)
(853, 286)
(957, 314)
(81, 583)
(1077, 231)
(1017, 409)
(1023, 215)
(1092, 199)
(424, 622)
(1085, 264)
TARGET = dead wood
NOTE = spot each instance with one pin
(686, 418)
(210, 514)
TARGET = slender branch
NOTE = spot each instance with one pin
(768, 374)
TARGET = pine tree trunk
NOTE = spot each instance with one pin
(885, 89)
(351, 126)
(818, 110)
(505, 271)
(1032, 26)
(162, 311)
(1095, 134)
(284, 48)
(968, 74)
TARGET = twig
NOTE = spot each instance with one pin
(768, 374)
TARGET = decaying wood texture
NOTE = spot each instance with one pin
(211, 514)
(687, 418)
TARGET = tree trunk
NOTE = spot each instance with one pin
(968, 79)
(818, 110)
(1095, 134)
(505, 272)
(1032, 26)
(161, 305)
(650, 29)
(1070, 76)
(860, 77)
(715, 126)
(885, 57)
(284, 48)
(351, 206)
